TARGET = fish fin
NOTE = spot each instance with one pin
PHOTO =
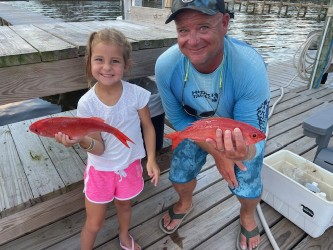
(175, 137)
(120, 136)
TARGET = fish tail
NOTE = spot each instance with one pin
(120, 136)
(175, 137)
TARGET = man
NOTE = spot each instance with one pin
(211, 74)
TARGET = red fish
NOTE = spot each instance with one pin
(206, 128)
(75, 127)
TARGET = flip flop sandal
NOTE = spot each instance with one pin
(132, 245)
(174, 216)
(248, 235)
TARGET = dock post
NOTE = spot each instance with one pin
(126, 9)
(168, 3)
(280, 7)
(287, 7)
(320, 10)
(305, 10)
(263, 7)
(299, 9)
(323, 52)
(247, 5)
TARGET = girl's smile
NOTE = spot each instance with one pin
(107, 64)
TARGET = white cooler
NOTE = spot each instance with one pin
(285, 175)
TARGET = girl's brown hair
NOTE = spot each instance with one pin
(110, 36)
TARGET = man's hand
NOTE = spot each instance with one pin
(233, 146)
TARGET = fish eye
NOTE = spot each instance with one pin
(254, 136)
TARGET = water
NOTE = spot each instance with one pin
(276, 37)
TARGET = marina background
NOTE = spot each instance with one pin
(276, 37)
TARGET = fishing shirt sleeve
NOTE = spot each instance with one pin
(247, 87)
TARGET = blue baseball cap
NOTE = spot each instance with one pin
(209, 7)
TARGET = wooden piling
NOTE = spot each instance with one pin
(324, 50)
(269, 4)
(280, 7)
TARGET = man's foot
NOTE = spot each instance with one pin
(248, 239)
(128, 243)
(170, 221)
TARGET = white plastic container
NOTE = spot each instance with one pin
(285, 175)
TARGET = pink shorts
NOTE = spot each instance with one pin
(103, 186)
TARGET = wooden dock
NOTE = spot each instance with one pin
(45, 59)
(42, 201)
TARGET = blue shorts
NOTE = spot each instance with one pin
(188, 159)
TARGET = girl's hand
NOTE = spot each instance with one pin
(153, 171)
(65, 140)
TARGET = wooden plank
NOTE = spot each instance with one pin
(136, 32)
(66, 235)
(68, 33)
(159, 31)
(15, 191)
(38, 80)
(50, 47)
(289, 101)
(14, 50)
(293, 140)
(298, 113)
(41, 214)
(323, 242)
(43, 178)
(91, 28)
(228, 235)
(286, 234)
(212, 221)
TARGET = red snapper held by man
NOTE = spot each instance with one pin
(200, 130)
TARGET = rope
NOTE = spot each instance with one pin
(304, 68)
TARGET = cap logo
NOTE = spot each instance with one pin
(187, 1)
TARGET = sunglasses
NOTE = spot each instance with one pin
(191, 111)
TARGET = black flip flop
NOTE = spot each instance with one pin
(248, 235)
(174, 216)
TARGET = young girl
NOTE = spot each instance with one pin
(113, 171)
